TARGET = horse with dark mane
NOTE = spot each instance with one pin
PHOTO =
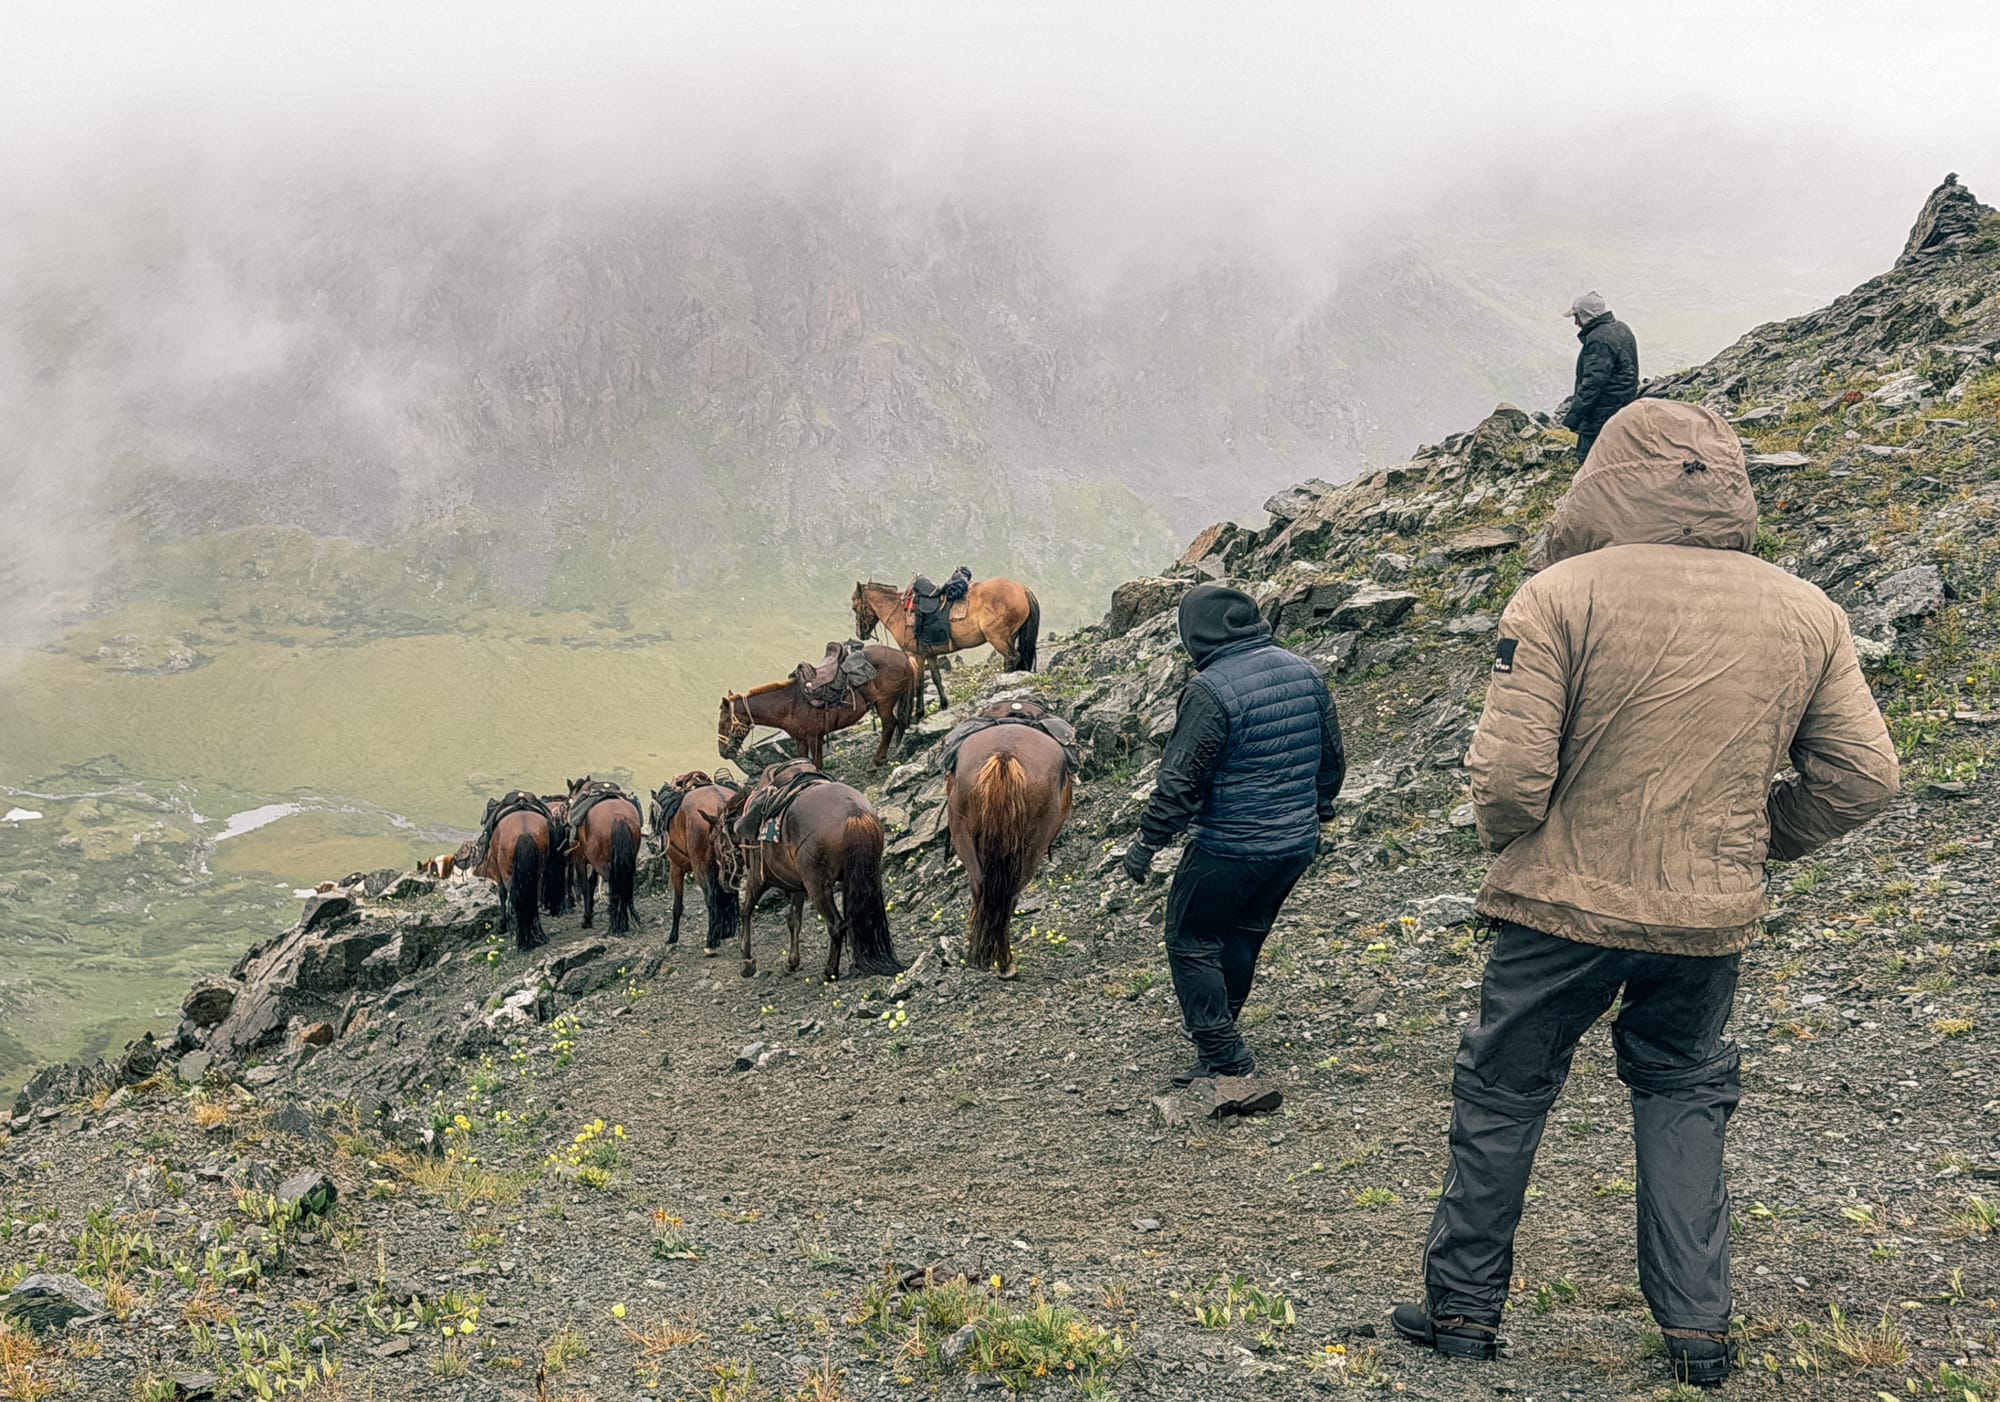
(807, 834)
(893, 694)
(685, 826)
(1001, 613)
(605, 843)
(517, 857)
(1007, 796)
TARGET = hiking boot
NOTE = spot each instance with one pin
(1697, 1358)
(1454, 1337)
(1240, 1095)
(1196, 1072)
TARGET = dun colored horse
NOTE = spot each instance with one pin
(690, 845)
(517, 860)
(895, 692)
(1008, 798)
(1002, 613)
(828, 836)
(607, 845)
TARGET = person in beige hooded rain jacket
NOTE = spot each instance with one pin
(1648, 684)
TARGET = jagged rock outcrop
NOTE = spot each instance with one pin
(1949, 217)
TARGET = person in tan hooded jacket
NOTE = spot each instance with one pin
(1648, 683)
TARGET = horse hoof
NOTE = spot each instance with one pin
(1010, 973)
(710, 953)
(749, 968)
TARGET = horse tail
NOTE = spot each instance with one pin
(624, 875)
(861, 899)
(1029, 637)
(1000, 829)
(525, 888)
(721, 900)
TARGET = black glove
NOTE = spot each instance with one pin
(1139, 862)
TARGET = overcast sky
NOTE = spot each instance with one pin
(1282, 112)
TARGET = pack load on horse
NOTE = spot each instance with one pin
(930, 607)
(519, 849)
(1010, 780)
(805, 833)
(685, 815)
(928, 621)
(844, 670)
(808, 717)
(605, 824)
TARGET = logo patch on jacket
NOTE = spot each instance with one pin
(1503, 660)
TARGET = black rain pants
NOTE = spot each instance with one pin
(1219, 912)
(1540, 995)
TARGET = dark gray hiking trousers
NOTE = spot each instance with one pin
(1540, 995)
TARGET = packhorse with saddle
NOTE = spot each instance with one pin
(803, 831)
(929, 620)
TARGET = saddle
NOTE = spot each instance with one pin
(774, 796)
(932, 608)
(518, 801)
(844, 671)
(1029, 713)
(590, 795)
(667, 802)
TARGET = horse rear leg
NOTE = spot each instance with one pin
(796, 924)
(821, 892)
(679, 879)
(937, 676)
(753, 891)
(589, 896)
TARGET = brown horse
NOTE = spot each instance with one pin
(827, 836)
(690, 846)
(516, 860)
(893, 695)
(1003, 614)
(606, 845)
(1004, 818)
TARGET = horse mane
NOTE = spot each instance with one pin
(768, 688)
(879, 587)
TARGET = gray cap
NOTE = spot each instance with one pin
(1590, 304)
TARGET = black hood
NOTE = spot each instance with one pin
(1214, 619)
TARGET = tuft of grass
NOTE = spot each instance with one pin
(565, 1347)
(1375, 1197)
(662, 1336)
(1862, 1349)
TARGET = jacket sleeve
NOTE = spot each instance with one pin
(1517, 747)
(1593, 375)
(1332, 761)
(1845, 762)
(1201, 730)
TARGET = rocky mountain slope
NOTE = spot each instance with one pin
(393, 1149)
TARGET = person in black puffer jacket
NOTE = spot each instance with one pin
(1607, 370)
(1251, 772)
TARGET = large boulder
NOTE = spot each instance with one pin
(44, 1302)
(1373, 609)
(1137, 600)
(339, 947)
(1486, 540)
(209, 1001)
(1916, 592)
(1294, 502)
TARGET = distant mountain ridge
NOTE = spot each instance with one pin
(370, 362)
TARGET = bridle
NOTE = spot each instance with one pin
(724, 737)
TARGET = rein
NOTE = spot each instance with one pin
(730, 703)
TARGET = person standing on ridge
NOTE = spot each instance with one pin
(1607, 370)
(1646, 686)
(1252, 770)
